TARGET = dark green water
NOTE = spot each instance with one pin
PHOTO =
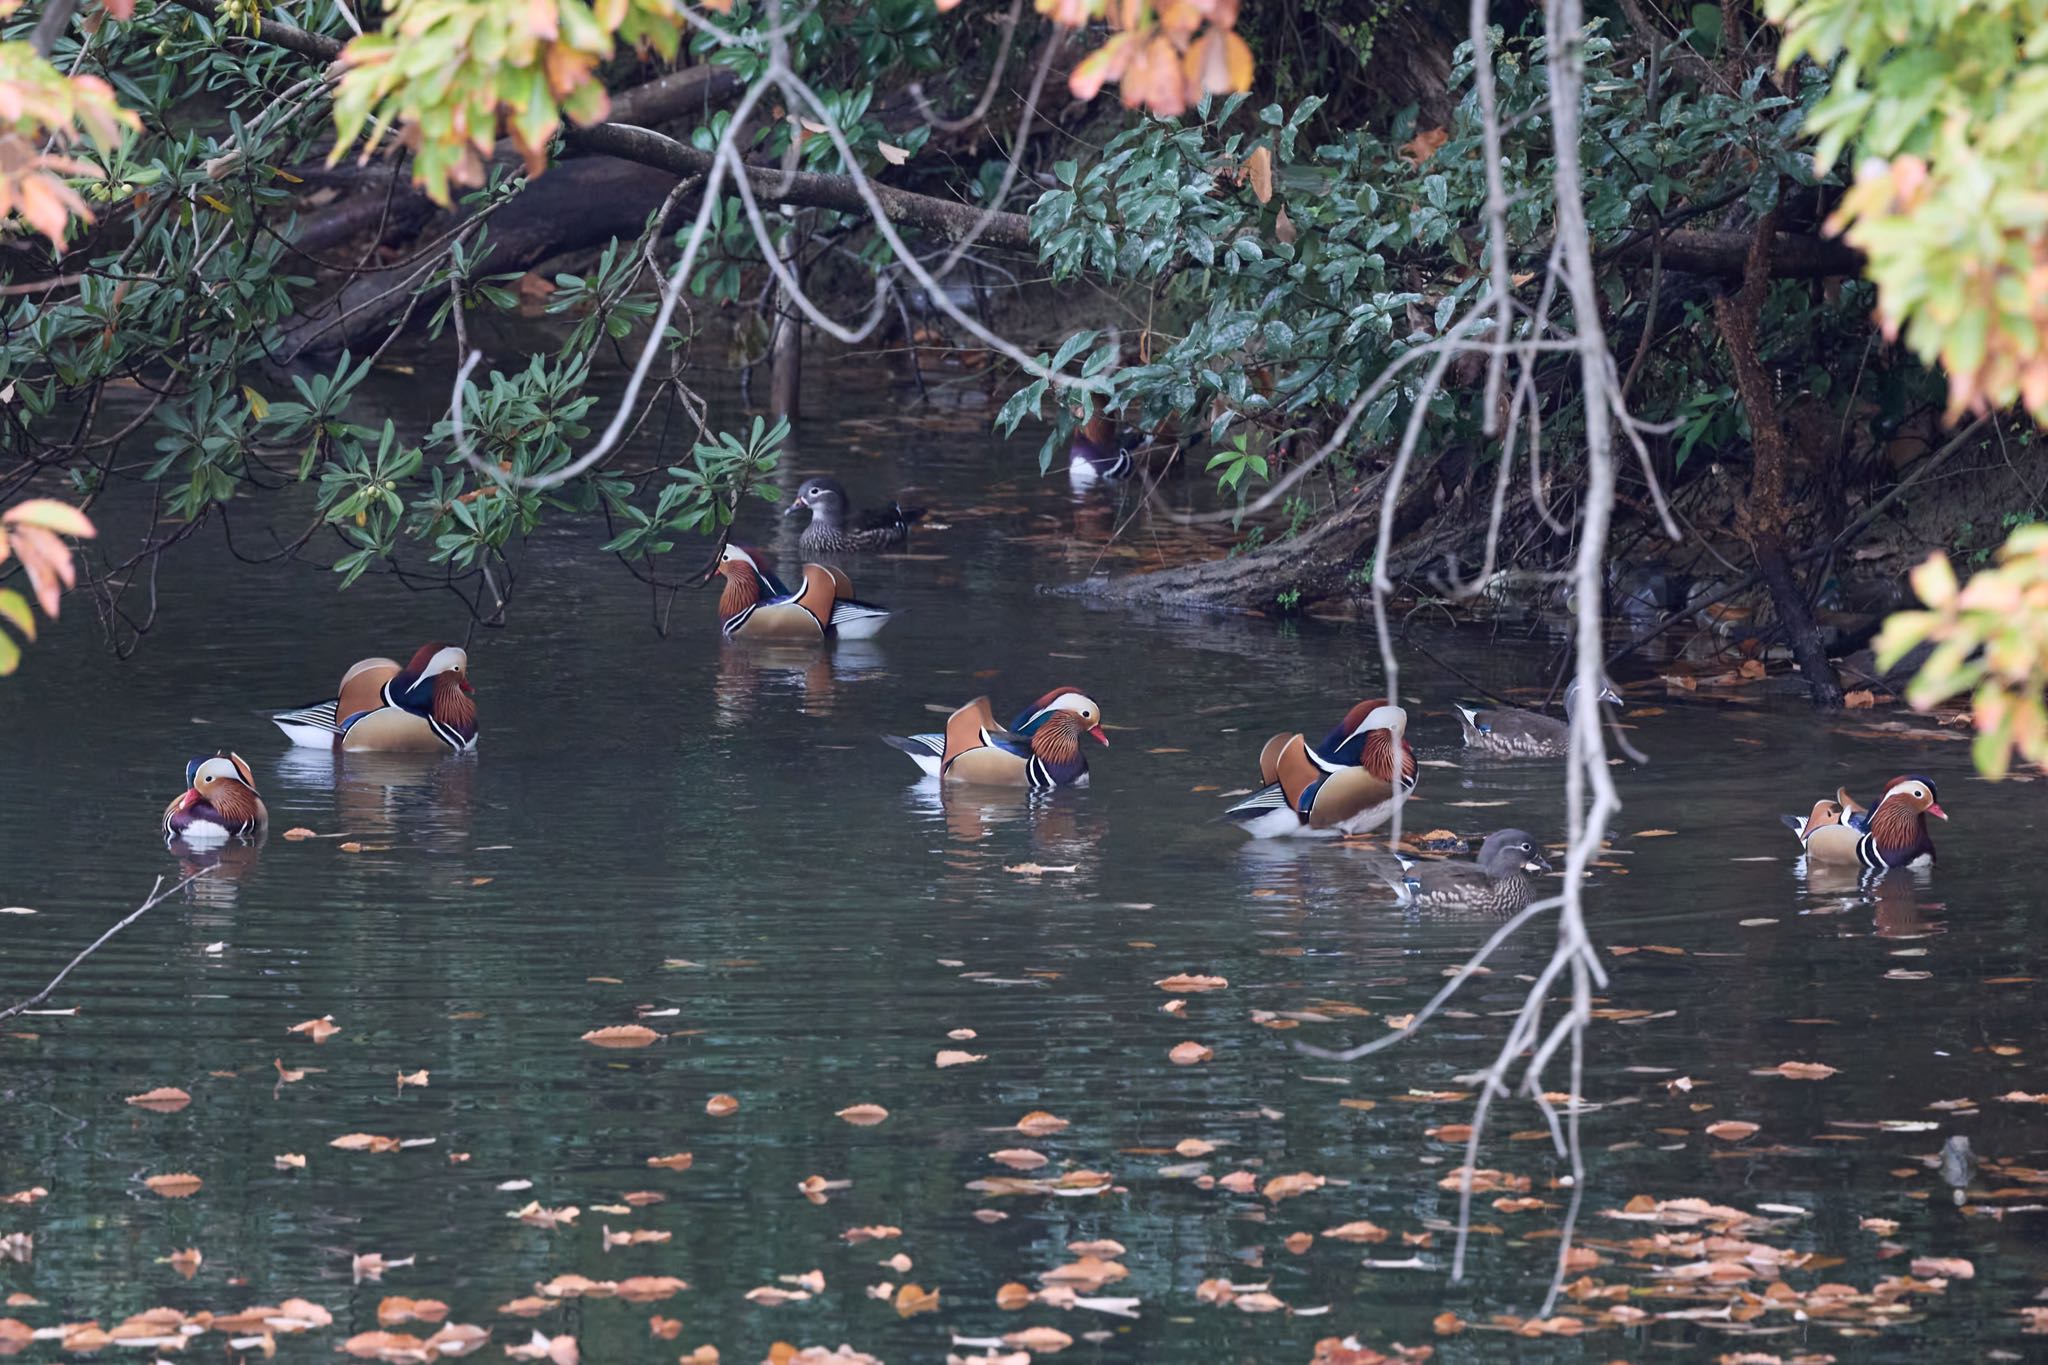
(718, 837)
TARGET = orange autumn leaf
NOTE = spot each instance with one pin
(912, 1300)
(622, 1035)
(165, 1099)
(319, 1030)
(863, 1115)
(1185, 984)
(718, 1106)
(1424, 145)
(180, 1185)
(679, 1161)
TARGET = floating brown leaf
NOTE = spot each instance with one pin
(1046, 1339)
(874, 1232)
(181, 1185)
(1424, 145)
(1013, 1296)
(392, 1346)
(397, 1310)
(1731, 1130)
(365, 1142)
(165, 1099)
(1193, 1147)
(649, 1288)
(415, 1078)
(1288, 1186)
(531, 1306)
(319, 1030)
(1945, 1267)
(1038, 1123)
(555, 1350)
(718, 1106)
(863, 1115)
(678, 1161)
(912, 1300)
(1190, 985)
(456, 1339)
(622, 1035)
(1019, 1158)
(186, 1262)
(664, 1329)
(1804, 1071)
(950, 1057)
(1189, 1054)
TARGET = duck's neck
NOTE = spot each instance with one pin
(1900, 831)
(742, 590)
(1378, 758)
(238, 805)
(452, 706)
(1057, 744)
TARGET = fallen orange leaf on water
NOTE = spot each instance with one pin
(874, 1232)
(319, 1030)
(1189, 1054)
(392, 1346)
(186, 1262)
(180, 1185)
(664, 1329)
(555, 1350)
(1288, 1186)
(531, 1306)
(1038, 1123)
(1299, 1242)
(165, 1099)
(953, 1058)
(633, 1237)
(365, 1142)
(1193, 1147)
(649, 1288)
(297, 832)
(289, 1161)
(1804, 1071)
(1731, 1130)
(863, 1115)
(912, 1300)
(397, 1309)
(1945, 1267)
(1047, 1339)
(1019, 1158)
(1360, 1231)
(718, 1106)
(418, 1078)
(678, 1161)
(622, 1035)
(1190, 985)
(961, 1035)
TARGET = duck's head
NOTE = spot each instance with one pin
(740, 559)
(205, 776)
(1607, 694)
(1512, 850)
(1915, 794)
(1062, 702)
(825, 496)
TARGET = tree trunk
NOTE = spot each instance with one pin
(1762, 519)
(786, 347)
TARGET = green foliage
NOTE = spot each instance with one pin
(1281, 307)
(1945, 104)
(1990, 639)
(703, 496)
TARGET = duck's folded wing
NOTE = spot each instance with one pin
(970, 727)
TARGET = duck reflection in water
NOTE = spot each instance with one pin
(427, 797)
(751, 671)
(1896, 897)
(1063, 833)
(228, 867)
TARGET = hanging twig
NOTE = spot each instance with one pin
(157, 895)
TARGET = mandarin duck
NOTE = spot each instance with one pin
(829, 532)
(1511, 732)
(425, 707)
(219, 802)
(756, 606)
(1344, 785)
(1099, 453)
(1495, 884)
(1041, 749)
(1893, 833)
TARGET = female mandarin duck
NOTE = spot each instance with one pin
(755, 605)
(1099, 453)
(1495, 884)
(1041, 749)
(219, 802)
(1891, 834)
(425, 707)
(829, 533)
(1512, 732)
(1345, 785)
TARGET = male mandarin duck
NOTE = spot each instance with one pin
(756, 606)
(1891, 834)
(828, 532)
(1495, 884)
(427, 706)
(219, 802)
(1099, 453)
(1041, 749)
(1344, 785)
(1512, 732)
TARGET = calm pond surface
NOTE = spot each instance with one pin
(713, 842)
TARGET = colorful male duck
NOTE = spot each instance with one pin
(1495, 884)
(1511, 732)
(1891, 834)
(755, 605)
(1099, 453)
(424, 707)
(829, 533)
(1345, 785)
(219, 803)
(1040, 750)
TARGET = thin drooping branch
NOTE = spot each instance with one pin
(157, 895)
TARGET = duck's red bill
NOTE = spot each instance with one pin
(1096, 731)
